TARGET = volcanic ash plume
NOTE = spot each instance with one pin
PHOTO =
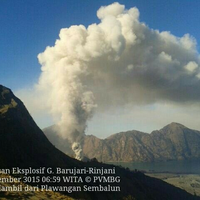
(76, 147)
(116, 62)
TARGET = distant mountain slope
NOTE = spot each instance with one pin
(23, 144)
(173, 142)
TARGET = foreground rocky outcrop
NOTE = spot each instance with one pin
(173, 142)
(23, 144)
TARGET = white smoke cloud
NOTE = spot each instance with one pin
(76, 147)
(117, 62)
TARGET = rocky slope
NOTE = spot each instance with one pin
(24, 145)
(173, 142)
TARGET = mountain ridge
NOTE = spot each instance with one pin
(172, 142)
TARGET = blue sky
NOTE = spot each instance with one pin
(27, 27)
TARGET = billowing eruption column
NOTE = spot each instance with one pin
(116, 62)
(76, 147)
